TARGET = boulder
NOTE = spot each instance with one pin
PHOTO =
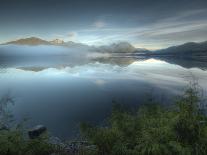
(36, 131)
(57, 141)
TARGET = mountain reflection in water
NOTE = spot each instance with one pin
(62, 91)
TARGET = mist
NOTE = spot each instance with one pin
(46, 56)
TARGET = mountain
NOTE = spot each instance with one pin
(74, 44)
(60, 42)
(29, 41)
(57, 42)
(33, 41)
(187, 49)
(121, 47)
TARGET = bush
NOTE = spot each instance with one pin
(12, 137)
(13, 142)
(153, 129)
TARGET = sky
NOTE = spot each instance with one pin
(151, 24)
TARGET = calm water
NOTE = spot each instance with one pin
(60, 91)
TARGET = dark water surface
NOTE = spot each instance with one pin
(61, 91)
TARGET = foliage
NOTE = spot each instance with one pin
(12, 137)
(12, 142)
(5, 115)
(154, 129)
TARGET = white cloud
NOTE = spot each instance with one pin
(163, 33)
(100, 82)
(72, 36)
(99, 24)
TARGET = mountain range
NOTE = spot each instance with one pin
(187, 49)
(33, 41)
(121, 47)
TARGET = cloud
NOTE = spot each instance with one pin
(185, 26)
(72, 36)
(99, 24)
(100, 82)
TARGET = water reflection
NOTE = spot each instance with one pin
(41, 63)
(186, 63)
(60, 92)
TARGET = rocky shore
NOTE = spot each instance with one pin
(71, 148)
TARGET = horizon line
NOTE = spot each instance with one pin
(115, 42)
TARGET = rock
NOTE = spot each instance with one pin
(36, 131)
(4, 127)
(57, 141)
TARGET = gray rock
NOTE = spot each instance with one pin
(57, 141)
(4, 127)
(36, 131)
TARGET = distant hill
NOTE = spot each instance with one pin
(29, 41)
(187, 49)
(33, 41)
(74, 44)
(121, 47)
(57, 42)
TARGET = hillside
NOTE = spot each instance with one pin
(29, 41)
(187, 49)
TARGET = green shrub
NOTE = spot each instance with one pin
(12, 137)
(12, 142)
(154, 129)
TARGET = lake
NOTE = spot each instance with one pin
(62, 91)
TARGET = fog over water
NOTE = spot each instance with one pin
(61, 87)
